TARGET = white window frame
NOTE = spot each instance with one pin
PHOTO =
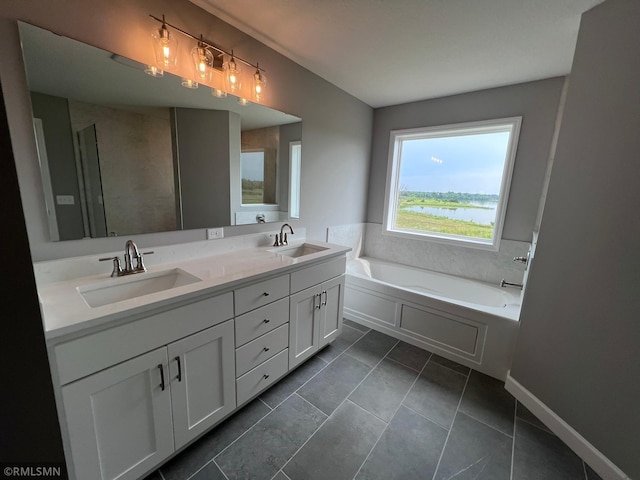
(393, 170)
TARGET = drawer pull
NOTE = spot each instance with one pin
(319, 295)
(326, 297)
(161, 377)
(265, 294)
(179, 369)
(265, 376)
(266, 349)
(266, 320)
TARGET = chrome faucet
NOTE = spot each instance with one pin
(130, 253)
(282, 239)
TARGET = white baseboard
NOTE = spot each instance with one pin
(576, 442)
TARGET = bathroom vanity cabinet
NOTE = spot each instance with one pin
(134, 392)
(315, 314)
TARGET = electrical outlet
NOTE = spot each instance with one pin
(215, 233)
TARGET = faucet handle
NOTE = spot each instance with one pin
(140, 263)
(117, 268)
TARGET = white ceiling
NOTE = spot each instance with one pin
(387, 52)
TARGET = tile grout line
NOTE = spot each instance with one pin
(513, 443)
(485, 424)
(407, 366)
(343, 401)
(220, 468)
(435, 472)
(265, 403)
(243, 434)
(317, 373)
(397, 408)
(307, 401)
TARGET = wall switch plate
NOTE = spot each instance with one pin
(215, 233)
(65, 200)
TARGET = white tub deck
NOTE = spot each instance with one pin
(470, 322)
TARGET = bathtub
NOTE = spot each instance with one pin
(470, 322)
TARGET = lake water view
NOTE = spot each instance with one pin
(482, 216)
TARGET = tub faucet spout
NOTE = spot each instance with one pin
(504, 283)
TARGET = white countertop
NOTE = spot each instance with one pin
(65, 312)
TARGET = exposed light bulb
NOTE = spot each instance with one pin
(202, 61)
(232, 75)
(259, 84)
(243, 101)
(165, 47)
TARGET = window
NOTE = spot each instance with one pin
(295, 159)
(256, 188)
(451, 183)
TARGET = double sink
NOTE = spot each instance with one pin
(126, 288)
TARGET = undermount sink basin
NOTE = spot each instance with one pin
(299, 250)
(133, 286)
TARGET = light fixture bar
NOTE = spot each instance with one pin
(207, 44)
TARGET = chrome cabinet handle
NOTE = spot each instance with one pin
(319, 295)
(265, 294)
(265, 376)
(266, 320)
(161, 377)
(265, 349)
(326, 297)
(179, 369)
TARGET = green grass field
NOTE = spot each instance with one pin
(433, 223)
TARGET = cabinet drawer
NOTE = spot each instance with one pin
(86, 355)
(259, 294)
(262, 348)
(265, 374)
(253, 324)
(308, 277)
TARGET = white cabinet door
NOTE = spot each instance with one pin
(202, 377)
(332, 295)
(119, 419)
(304, 325)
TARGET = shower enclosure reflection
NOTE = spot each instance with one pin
(128, 153)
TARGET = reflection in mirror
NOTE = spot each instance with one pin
(125, 153)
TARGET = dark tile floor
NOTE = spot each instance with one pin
(370, 407)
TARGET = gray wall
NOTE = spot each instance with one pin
(578, 348)
(204, 147)
(536, 102)
(56, 124)
(336, 126)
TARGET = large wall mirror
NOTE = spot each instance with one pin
(123, 153)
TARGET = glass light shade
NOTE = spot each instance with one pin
(232, 76)
(259, 85)
(202, 62)
(153, 71)
(188, 83)
(216, 92)
(165, 47)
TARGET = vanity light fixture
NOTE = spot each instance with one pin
(202, 61)
(216, 92)
(233, 75)
(165, 46)
(259, 85)
(207, 58)
(153, 71)
(188, 83)
(243, 101)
